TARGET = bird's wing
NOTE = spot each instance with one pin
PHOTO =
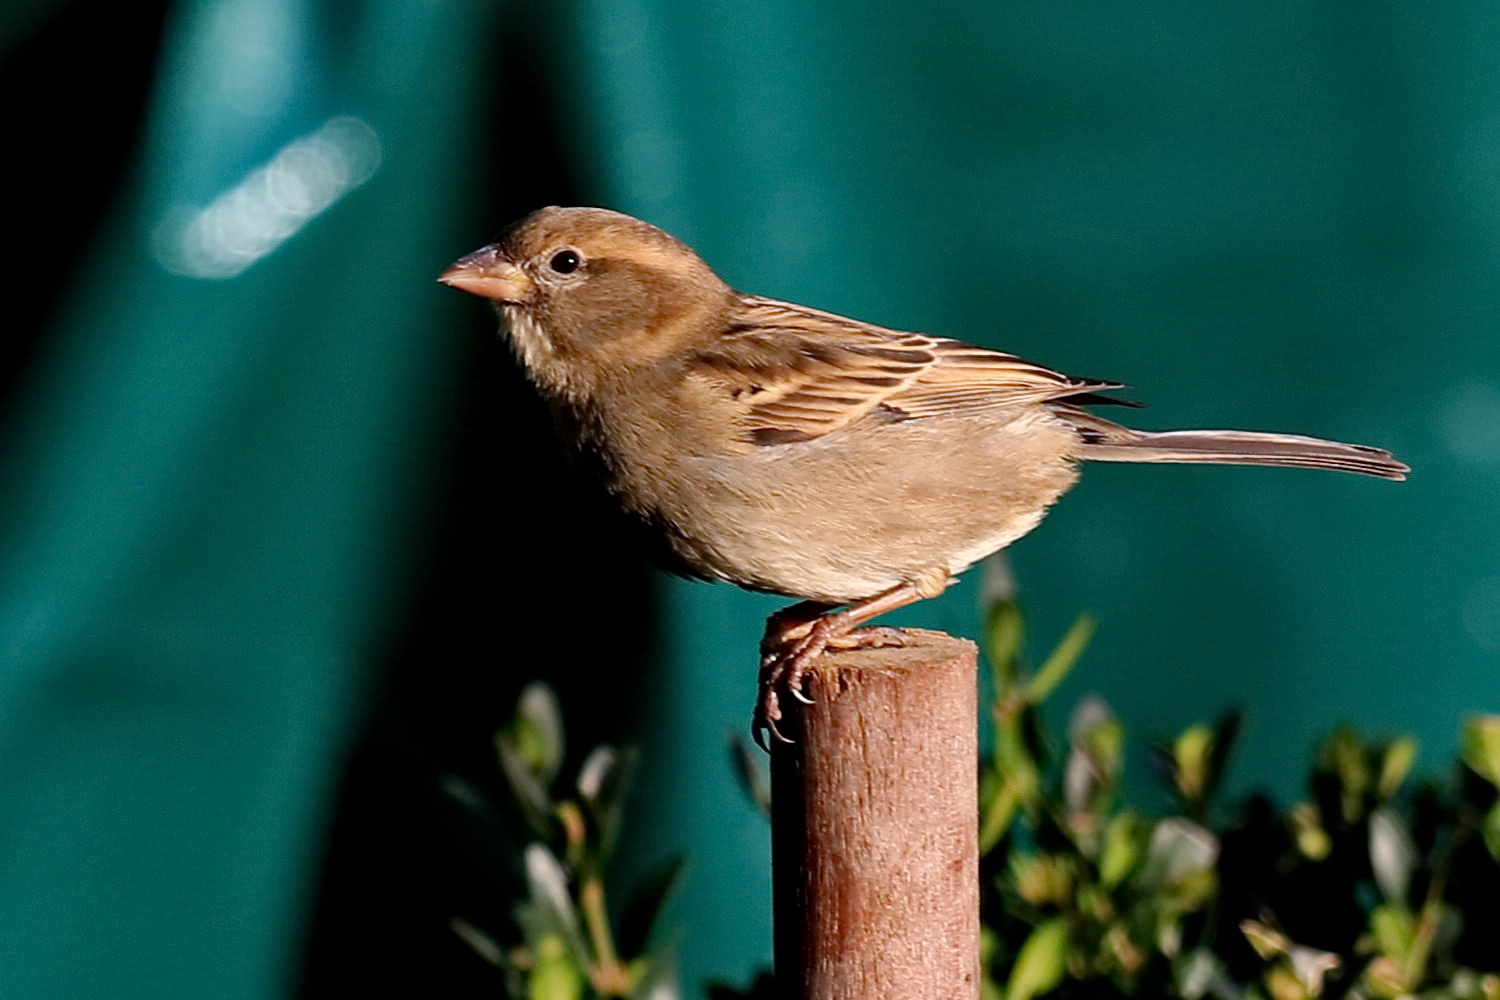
(795, 374)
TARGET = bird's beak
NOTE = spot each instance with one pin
(487, 272)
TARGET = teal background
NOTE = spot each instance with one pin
(295, 530)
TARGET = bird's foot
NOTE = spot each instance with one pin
(793, 641)
(869, 637)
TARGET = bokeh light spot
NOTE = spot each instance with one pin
(271, 204)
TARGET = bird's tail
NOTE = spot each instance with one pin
(1106, 441)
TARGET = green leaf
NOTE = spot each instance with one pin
(549, 911)
(1093, 764)
(1343, 755)
(1393, 927)
(1179, 850)
(1190, 759)
(989, 946)
(555, 975)
(603, 783)
(997, 816)
(1061, 660)
(530, 794)
(1122, 849)
(1307, 829)
(1197, 972)
(484, 946)
(530, 751)
(1042, 879)
(1481, 746)
(1491, 830)
(749, 768)
(1384, 979)
(1310, 966)
(1395, 766)
(1003, 631)
(1041, 962)
(538, 731)
(1015, 780)
(1267, 941)
(1393, 854)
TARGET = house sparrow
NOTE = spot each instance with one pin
(791, 450)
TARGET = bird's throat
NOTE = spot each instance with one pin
(536, 351)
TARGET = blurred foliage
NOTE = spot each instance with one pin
(571, 945)
(1375, 887)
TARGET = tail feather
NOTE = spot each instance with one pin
(1120, 444)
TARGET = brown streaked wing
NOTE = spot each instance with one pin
(798, 373)
(966, 377)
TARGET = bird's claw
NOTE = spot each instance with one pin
(786, 657)
(764, 729)
(779, 671)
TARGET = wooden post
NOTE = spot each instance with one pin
(875, 841)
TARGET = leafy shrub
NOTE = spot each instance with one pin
(1374, 887)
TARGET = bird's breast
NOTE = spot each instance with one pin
(847, 514)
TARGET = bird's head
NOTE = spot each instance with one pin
(584, 291)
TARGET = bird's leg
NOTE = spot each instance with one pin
(797, 635)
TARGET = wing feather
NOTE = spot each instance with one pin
(796, 374)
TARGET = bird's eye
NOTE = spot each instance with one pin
(565, 261)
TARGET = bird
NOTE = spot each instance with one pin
(786, 449)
